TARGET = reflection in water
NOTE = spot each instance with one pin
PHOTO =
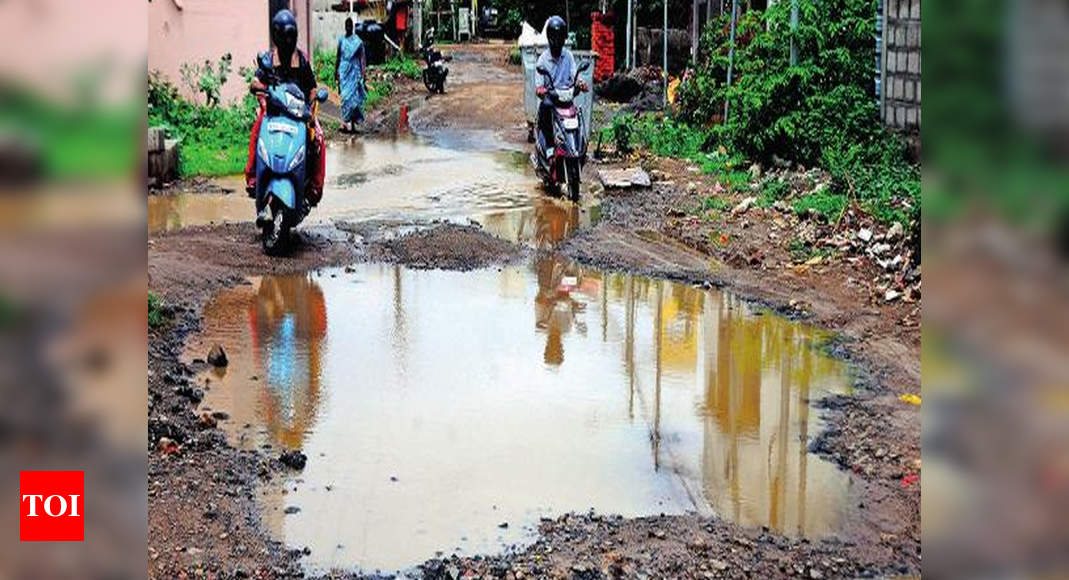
(289, 323)
(544, 224)
(273, 330)
(434, 407)
(555, 308)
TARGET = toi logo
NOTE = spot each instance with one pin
(51, 506)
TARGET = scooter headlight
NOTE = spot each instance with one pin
(297, 159)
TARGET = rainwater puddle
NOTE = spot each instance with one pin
(435, 407)
(406, 178)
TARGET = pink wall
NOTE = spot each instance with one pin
(182, 31)
(47, 45)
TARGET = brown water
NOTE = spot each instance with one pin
(404, 179)
(434, 406)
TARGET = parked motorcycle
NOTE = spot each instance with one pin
(282, 163)
(435, 73)
(560, 163)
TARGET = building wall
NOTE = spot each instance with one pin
(328, 26)
(192, 31)
(900, 85)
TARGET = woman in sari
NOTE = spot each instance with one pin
(350, 77)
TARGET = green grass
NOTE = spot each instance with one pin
(82, 142)
(401, 66)
(826, 202)
(773, 190)
(213, 140)
(803, 252)
(714, 203)
(155, 312)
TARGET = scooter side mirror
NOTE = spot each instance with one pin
(321, 94)
(264, 60)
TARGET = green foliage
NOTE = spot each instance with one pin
(155, 311)
(823, 201)
(801, 251)
(773, 190)
(876, 175)
(79, 141)
(515, 57)
(660, 135)
(214, 139)
(820, 112)
(376, 92)
(207, 79)
(512, 22)
(402, 65)
(713, 203)
(325, 65)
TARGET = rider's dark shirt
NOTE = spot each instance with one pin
(301, 75)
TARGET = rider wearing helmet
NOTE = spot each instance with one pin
(288, 64)
(559, 62)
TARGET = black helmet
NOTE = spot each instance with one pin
(284, 32)
(556, 34)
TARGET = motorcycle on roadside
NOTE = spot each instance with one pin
(435, 73)
(282, 163)
(560, 163)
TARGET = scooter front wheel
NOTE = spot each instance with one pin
(571, 176)
(429, 82)
(275, 235)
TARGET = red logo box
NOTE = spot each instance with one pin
(51, 506)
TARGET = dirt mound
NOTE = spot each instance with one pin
(448, 247)
(639, 88)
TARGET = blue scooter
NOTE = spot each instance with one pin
(282, 164)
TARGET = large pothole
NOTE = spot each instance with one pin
(447, 412)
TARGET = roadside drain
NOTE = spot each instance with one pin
(447, 412)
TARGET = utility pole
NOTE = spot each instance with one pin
(627, 47)
(794, 31)
(731, 52)
(664, 59)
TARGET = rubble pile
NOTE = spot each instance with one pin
(639, 89)
(809, 237)
(854, 237)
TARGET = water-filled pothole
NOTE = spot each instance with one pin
(435, 407)
(404, 178)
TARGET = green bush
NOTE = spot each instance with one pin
(402, 65)
(820, 112)
(214, 140)
(325, 62)
(84, 140)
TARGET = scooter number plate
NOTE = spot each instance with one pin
(572, 123)
(275, 127)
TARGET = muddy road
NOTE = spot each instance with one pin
(455, 375)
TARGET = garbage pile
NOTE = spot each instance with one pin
(853, 236)
(639, 89)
